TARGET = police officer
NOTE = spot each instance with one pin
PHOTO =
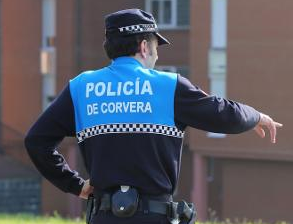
(129, 121)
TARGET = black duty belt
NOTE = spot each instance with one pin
(155, 204)
(150, 204)
(162, 204)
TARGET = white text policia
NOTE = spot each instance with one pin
(121, 88)
(101, 89)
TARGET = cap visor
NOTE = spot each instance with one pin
(161, 40)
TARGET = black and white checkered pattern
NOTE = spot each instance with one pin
(140, 28)
(129, 128)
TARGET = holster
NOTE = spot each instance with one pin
(186, 212)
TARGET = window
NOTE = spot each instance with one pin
(211, 169)
(218, 54)
(182, 70)
(219, 24)
(169, 13)
(166, 68)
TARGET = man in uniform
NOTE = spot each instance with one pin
(129, 121)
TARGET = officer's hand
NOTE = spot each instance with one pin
(270, 124)
(86, 190)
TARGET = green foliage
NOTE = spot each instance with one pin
(31, 219)
(242, 221)
(57, 219)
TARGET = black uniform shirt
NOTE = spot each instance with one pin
(148, 160)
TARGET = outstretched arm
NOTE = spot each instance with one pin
(195, 108)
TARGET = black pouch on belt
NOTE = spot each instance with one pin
(124, 202)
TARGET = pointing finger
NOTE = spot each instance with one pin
(273, 132)
(278, 125)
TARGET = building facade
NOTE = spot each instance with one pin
(237, 49)
(243, 176)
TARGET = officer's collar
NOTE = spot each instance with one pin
(126, 60)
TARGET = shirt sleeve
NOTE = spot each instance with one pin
(195, 108)
(43, 138)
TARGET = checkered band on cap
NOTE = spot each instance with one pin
(140, 28)
(129, 128)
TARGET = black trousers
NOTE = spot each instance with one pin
(103, 217)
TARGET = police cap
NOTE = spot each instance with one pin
(132, 21)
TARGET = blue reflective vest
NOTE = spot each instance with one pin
(124, 98)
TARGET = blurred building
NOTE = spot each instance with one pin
(236, 49)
